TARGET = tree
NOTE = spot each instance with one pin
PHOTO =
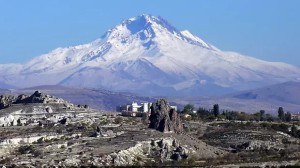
(216, 110)
(256, 116)
(294, 130)
(243, 116)
(281, 113)
(203, 113)
(269, 117)
(188, 109)
(288, 117)
(262, 115)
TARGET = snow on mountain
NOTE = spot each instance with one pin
(147, 55)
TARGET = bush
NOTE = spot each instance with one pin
(265, 125)
(6, 160)
(118, 120)
(29, 149)
(25, 149)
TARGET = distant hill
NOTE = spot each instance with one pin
(95, 98)
(288, 92)
(286, 95)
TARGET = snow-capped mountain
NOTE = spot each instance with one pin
(147, 55)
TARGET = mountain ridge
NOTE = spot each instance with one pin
(268, 98)
(147, 55)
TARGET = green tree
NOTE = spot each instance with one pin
(294, 131)
(188, 109)
(216, 110)
(203, 113)
(281, 113)
(288, 117)
(269, 117)
(256, 116)
(262, 115)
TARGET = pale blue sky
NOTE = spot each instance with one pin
(265, 29)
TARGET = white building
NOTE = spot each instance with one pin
(135, 107)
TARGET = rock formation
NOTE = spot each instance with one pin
(161, 149)
(6, 101)
(164, 118)
(36, 97)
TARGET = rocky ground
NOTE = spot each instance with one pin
(252, 144)
(43, 131)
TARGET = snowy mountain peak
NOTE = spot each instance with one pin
(147, 27)
(145, 21)
(189, 35)
(144, 17)
(143, 25)
(147, 55)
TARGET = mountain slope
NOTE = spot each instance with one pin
(287, 92)
(270, 98)
(148, 56)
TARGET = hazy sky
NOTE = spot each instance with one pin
(265, 29)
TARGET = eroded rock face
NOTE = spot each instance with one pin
(36, 97)
(164, 118)
(161, 149)
(6, 101)
(258, 145)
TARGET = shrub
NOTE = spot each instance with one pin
(29, 149)
(5, 160)
(25, 149)
(118, 120)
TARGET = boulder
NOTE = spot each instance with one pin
(21, 99)
(176, 156)
(48, 109)
(8, 120)
(174, 143)
(164, 118)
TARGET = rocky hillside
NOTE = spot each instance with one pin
(37, 97)
(95, 98)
